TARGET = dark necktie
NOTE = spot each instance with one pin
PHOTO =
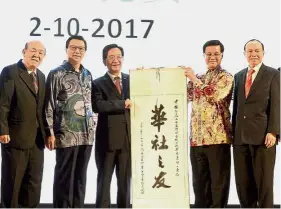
(35, 84)
(117, 84)
(34, 81)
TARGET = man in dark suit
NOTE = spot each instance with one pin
(256, 122)
(22, 92)
(111, 102)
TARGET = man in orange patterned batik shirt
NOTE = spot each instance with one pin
(210, 132)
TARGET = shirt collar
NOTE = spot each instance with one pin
(114, 76)
(214, 70)
(256, 68)
(68, 66)
(29, 71)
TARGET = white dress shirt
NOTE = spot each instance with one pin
(114, 76)
(256, 68)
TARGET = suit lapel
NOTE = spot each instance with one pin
(125, 85)
(257, 80)
(111, 85)
(242, 86)
(27, 80)
(41, 84)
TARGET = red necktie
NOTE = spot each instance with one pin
(249, 82)
(118, 84)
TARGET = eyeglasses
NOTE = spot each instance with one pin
(111, 58)
(216, 55)
(74, 48)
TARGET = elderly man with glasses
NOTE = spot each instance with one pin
(111, 102)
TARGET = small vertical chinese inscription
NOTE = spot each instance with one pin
(142, 158)
(176, 117)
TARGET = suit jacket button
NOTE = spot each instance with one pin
(244, 117)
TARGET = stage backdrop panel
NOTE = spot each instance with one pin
(159, 138)
(153, 33)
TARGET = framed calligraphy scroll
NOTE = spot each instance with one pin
(159, 138)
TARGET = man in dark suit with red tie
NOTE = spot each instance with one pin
(110, 96)
(256, 123)
(22, 122)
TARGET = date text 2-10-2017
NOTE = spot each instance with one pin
(114, 28)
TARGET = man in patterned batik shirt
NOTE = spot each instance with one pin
(70, 125)
(210, 132)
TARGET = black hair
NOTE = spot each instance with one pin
(78, 38)
(108, 47)
(213, 43)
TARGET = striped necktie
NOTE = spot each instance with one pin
(34, 81)
(249, 82)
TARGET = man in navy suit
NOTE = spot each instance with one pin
(256, 122)
(113, 148)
